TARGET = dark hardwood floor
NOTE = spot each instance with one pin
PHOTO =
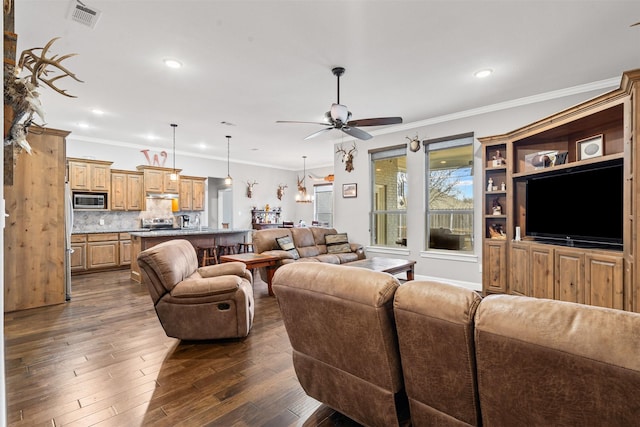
(102, 359)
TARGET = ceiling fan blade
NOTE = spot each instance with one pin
(355, 132)
(380, 121)
(311, 123)
(319, 132)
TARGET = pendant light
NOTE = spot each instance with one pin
(174, 174)
(303, 196)
(228, 180)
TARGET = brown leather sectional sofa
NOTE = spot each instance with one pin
(309, 243)
(427, 353)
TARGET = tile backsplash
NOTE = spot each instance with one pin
(89, 221)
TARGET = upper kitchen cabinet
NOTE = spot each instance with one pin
(89, 175)
(192, 193)
(126, 190)
(158, 180)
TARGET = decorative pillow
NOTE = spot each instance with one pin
(337, 243)
(286, 244)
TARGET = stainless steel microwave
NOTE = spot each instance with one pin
(89, 201)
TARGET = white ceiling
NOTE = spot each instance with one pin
(251, 63)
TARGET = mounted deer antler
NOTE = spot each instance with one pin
(21, 94)
(347, 157)
(38, 65)
(250, 188)
(280, 191)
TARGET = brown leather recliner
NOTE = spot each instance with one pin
(435, 331)
(197, 303)
(339, 320)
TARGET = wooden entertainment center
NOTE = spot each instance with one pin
(598, 132)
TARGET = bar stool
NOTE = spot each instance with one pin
(226, 249)
(245, 248)
(207, 254)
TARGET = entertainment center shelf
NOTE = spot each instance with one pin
(571, 156)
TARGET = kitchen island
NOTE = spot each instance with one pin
(141, 240)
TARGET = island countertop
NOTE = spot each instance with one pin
(177, 232)
(199, 237)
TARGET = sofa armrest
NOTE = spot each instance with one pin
(234, 268)
(203, 287)
(358, 249)
(279, 253)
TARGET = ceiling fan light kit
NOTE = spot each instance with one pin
(339, 117)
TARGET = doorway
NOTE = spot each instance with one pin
(225, 207)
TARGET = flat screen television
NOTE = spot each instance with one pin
(577, 206)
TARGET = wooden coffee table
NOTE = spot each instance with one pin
(253, 261)
(386, 265)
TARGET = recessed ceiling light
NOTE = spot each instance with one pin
(83, 125)
(97, 112)
(172, 63)
(443, 162)
(483, 73)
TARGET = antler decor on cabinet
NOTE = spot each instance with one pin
(347, 157)
(22, 95)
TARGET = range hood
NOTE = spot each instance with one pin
(162, 196)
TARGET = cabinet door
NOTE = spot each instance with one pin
(118, 191)
(186, 194)
(569, 275)
(125, 252)
(603, 280)
(169, 185)
(102, 254)
(79, 176)
(198, 195)
(494, 266)
(100, 177)
(541, 271)
(519, 269)
(78, 259)
(135, 198)
(153, 180)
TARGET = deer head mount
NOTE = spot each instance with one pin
(280, 191)
(347, 156)
(250, 188)
(414, 144)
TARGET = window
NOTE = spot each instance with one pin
(449, 174)
(323, 207)
(389, 198)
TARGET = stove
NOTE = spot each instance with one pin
(156, 223)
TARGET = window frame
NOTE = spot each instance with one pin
(466, 239)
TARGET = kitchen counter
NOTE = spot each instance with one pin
(177, 232)
(204, 237)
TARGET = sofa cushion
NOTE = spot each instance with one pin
(304, 241)
(286, 244)
(337, 243)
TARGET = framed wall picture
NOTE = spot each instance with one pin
(349, 190)
(589, 147)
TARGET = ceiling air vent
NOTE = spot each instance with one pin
(85, 15)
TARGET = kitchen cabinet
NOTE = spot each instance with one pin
(124, 249)
(127, 191)
(89, 175)
(78, 261)
(191, 193)
(102, 250)
(158, 180)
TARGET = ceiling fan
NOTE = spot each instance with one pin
(339, 117)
